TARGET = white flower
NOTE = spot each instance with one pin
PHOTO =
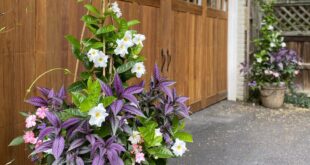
(101, 60)
(272, 44)
(98, 115)
(179, 147)
(135, 138)
(270, 27)
(296, 72)
(259, 60)
(128, 39)
(138, 39)
(157, 132)
(121, 48)
(92, 54)
(116, 9)
(276, 74)
(268, 72)
(139, 69)
(283, 44)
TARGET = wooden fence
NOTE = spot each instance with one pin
(188, 41)
(294, 22)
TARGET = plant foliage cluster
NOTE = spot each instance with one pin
(108, 121)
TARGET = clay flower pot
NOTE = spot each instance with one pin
(272, 96)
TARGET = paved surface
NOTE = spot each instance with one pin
(231, 133)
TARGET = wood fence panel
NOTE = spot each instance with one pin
(303, 50)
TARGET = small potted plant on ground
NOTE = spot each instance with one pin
(108, 121)
(274, 67)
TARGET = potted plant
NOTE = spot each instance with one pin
(108, 121)
(274, 67)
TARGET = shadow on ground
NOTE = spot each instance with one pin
(231, 133)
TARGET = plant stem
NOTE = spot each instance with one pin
(103, 39)
(66, 71)
(81, 39)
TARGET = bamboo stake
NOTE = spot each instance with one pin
(81, 38)
(103, 39)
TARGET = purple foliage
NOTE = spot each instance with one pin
(49, 99)
(102, 151)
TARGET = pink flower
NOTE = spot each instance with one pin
(296, 72)
(31, 121)
(29, 137)
(140, 157)
(136, 148)
(41, 112)
(38, 143)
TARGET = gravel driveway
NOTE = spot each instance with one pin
(232, 133)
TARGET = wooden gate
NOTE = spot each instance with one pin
(186, 38)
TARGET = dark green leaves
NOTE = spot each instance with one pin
(106, 29)
(77, 86)
(89, 19)
(17, 141)
(125, 67)
(93, 92)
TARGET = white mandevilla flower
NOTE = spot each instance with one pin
(138, 39)
(128, 39)
(179, 147)
(121, 48)
(283, 44)
(158, 133)
(101, 60)
(98, 115)
(116, 9)
(259, 60)
(92, 54)
(135, 138)
(270, 27)
(272, 45)
(139, 69)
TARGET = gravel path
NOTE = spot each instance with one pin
(231, 133)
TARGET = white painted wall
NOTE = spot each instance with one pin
(232, 49)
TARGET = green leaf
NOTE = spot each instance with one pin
(92, 9)
(106, 29)
(73, 41)
(160, 152)
(85, 75)
(184, 136)
(77, 86)
(132, 23)
(136, 50)
(125, 67)
(148, 134)
(89, 19)
(93, 94)
(69, 113)
(24, 114)
(106, 101)
(78, 98)
(17, 141)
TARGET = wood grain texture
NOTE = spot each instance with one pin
(34, 43)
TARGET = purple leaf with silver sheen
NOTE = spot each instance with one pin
(109, 150)
(58, 146)
(117, 106)
(133, 110)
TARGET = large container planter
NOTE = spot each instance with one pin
(272, 96)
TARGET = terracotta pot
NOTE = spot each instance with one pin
(272, 96)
